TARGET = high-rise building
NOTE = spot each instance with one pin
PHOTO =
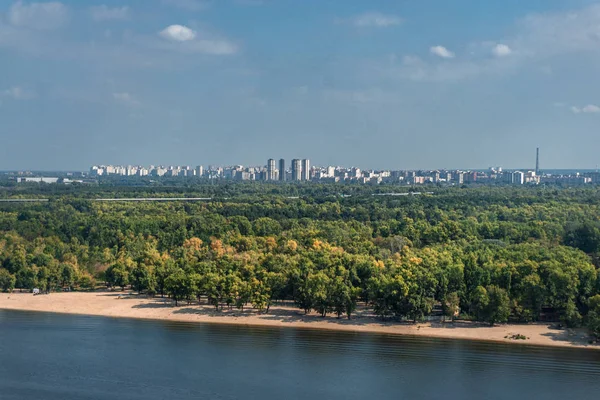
(199, 171)
(519, 177)
(271, 169)
(306, 170)
(282, 170)
(296, 169)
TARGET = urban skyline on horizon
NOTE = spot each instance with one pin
(302, 170)
(259, 165)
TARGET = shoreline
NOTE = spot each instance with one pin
(108, 304)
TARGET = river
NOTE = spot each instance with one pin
(64, 357)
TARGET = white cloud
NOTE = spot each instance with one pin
(376, 19)
(539, 39)
(126, 99)
(183, 39)
(38, 15)
(19, 93)
(589, 109)
(501, 50)
(104, 13)
(189, 5)
(441, 51)
(178, 33)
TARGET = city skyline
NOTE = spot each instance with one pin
(301, 170)
(412, 85)
(273, 166)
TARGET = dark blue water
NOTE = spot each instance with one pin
(50, 356)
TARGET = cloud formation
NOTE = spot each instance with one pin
(42, 16)
(105, 13)
(589, 109)
(183, 39)
(376, 20)
(538, 39)
(178, 33)
(501, 50)
(442, 52)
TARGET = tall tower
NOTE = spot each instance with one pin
(537, 161)
(296, 169)
(282, 170)
(306, 170)
(271, 169)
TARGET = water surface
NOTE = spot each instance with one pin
(64, 357)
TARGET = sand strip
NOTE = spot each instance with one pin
(109, 304)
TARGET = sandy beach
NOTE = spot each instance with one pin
(123, 305)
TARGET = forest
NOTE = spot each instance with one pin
(490, 254)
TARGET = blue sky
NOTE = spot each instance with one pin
(375, 84)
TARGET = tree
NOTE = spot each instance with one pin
(266, 227)
(192, 286)
(386, 294)
(176, 285)
(27, 278)
(47, 279)
(302, 294)
(87, 281)
(161, 273)
(318, 285)
(451, 305)
(244, 293)
(140, 278)
(260, 294)
(419, 300)
(498, 307)
(67, 275)
(7, 281)
(342, 297)
(312, 293)
(232, 288)
(479, 303)
(213, 287)
(571, 316)
(585, 237)
(593, 317)
(117, 275)
(16, 260)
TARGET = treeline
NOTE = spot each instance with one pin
(492, 255)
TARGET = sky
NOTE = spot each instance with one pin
(405, 84)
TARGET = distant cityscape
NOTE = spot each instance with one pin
(301, 170)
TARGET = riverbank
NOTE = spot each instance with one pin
(122, 305)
